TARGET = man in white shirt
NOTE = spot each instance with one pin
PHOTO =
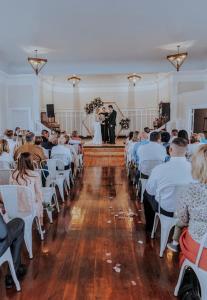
(176, 171)
(62, 150)
(151, 154)
(154, 150)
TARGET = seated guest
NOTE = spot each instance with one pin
(75, 139)
(4, 153)
(12, 235)
(9, 136)
(38, 143)
(130, 150)
(46, 144)
(192, 210)
(17, 131)
(174, 134)
(165, 139)
(37, 152)
(143, 141)
(62, 150)
(194, 145)
(152, 150)
(75, 159)
(24, 174)
(75, 136)
(129, 138)
(176, 171)
(183, 134)
(147, 130)
(204, 138)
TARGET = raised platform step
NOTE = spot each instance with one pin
(104, 156)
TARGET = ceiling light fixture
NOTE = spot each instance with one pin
(133, 78)
(37, 63)
(177, 59)
(74, 80)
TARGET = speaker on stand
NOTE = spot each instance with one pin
(50, 110)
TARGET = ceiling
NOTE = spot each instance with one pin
(102, 37)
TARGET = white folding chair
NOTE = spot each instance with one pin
(49, 196)
(146, 167)
(200, 273)
(4, 165)
(166, 223)
(76, 147)
(60, 158)
(7, 257)
(4, 176)
(55, 177)
(10, 196)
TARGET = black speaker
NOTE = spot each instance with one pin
(50, 110)
(164, 111)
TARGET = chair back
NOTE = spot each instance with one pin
(4, 165)
(76, 145)
(17, 199)
(170, 191)
(203, 244)
(146, 166)
(51, 164)
(4, 176)
(60, 158)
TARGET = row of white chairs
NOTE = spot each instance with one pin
(166, 225)
(54, 176)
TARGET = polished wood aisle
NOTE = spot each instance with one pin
(71, 264)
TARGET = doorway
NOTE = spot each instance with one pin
(199, 120)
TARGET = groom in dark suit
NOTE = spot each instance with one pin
(112, 124)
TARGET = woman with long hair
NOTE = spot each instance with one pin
(25, 174)
(192, 210)
(5, 157)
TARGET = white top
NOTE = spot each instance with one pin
(5, 157)
(64, 151)
(5, 160)
(176, 171)
(152, 151)
(12, 145)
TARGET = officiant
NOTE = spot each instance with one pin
(104, 125)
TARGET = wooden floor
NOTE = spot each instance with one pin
(71, 263)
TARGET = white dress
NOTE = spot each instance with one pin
(97, 139)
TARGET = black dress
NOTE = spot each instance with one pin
(104, 127)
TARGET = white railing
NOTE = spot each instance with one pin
(70, 120)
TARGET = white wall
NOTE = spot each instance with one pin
(67, 97)
(19, 99)
(23, 97)
(191, 93)
(3, 104)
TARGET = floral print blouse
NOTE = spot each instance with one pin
(192, 210)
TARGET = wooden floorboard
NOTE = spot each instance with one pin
(71, 263)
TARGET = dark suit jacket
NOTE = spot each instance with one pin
(112, 118)
(3, 236)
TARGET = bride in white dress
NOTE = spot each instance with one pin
(97, 139)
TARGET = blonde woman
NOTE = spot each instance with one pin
(192, 210)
